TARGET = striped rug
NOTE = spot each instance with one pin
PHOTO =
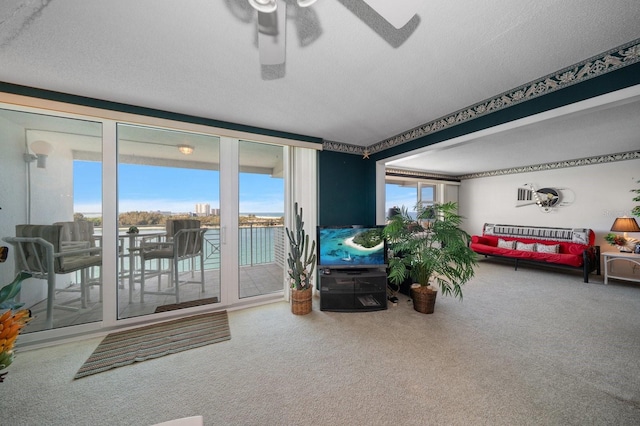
(153, 341)
(182, 305)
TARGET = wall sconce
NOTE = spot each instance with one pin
(625, 224)
(42, 149)
(185, 149)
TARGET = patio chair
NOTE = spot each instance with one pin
(78, 235)
(42, 251)
(183, 242)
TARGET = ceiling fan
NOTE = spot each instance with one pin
(272, 19)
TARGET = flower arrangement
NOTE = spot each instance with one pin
(10, 326)
(302, 257)
(624, 244)
(615, 240)
(11, 323)
(301, 280)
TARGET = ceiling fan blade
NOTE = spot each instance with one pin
(396, 12)
(271, 35)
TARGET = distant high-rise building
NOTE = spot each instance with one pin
(203, 209)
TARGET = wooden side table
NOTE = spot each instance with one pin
(624, 257)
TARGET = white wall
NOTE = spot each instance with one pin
(51, 199)
(602, 193)
(450, 193)
(12, 189)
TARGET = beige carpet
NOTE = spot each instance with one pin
(153, 341)
(526, 347)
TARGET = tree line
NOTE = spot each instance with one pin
(140, 218)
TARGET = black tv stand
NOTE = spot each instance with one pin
(353, 290)
(352, 271)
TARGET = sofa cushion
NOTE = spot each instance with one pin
(477, 239)
(525, 247)
(559, 258)
(548, 248)
(576, 249)
(506, 244)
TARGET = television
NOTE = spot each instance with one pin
(351, 247)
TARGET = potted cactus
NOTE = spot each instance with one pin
(301, 262)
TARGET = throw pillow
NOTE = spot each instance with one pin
(525, 247)
(544, 248)
(506, 244)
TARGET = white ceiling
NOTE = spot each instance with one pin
(349, 76)
(597, 127)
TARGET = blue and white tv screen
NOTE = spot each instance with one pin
(351, 247)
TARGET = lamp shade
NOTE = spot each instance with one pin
(306, 3)
(625, 224)
(42, 150)
(41, 147)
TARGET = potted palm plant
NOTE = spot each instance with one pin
(432, 250)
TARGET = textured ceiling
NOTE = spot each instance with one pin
(349, 77)
(590, 129)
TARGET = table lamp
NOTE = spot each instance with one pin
(626, 224)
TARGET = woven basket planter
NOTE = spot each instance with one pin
(301, 301)
(424, 299)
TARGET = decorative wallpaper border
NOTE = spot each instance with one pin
(419, 175)
(587, 161)
(611, 60)
(343, 147)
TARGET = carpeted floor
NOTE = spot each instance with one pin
(526, 347)
(153, 341)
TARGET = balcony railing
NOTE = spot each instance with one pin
(258, 245)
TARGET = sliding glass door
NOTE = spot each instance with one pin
(408, 193)
(168, 220)
(51, 200)
(261, 218)
(151, 217)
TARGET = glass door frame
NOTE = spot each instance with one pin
(304, 190)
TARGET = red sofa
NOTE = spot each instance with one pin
(568, 247)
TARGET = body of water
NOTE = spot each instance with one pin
(256, 244)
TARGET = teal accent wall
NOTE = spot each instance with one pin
(346, 189)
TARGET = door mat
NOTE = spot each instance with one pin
(190, 304)
(153, 341)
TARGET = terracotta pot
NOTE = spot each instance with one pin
(301, 301)
(424, 298)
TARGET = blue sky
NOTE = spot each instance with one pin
(398, 196)
(152, 188)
